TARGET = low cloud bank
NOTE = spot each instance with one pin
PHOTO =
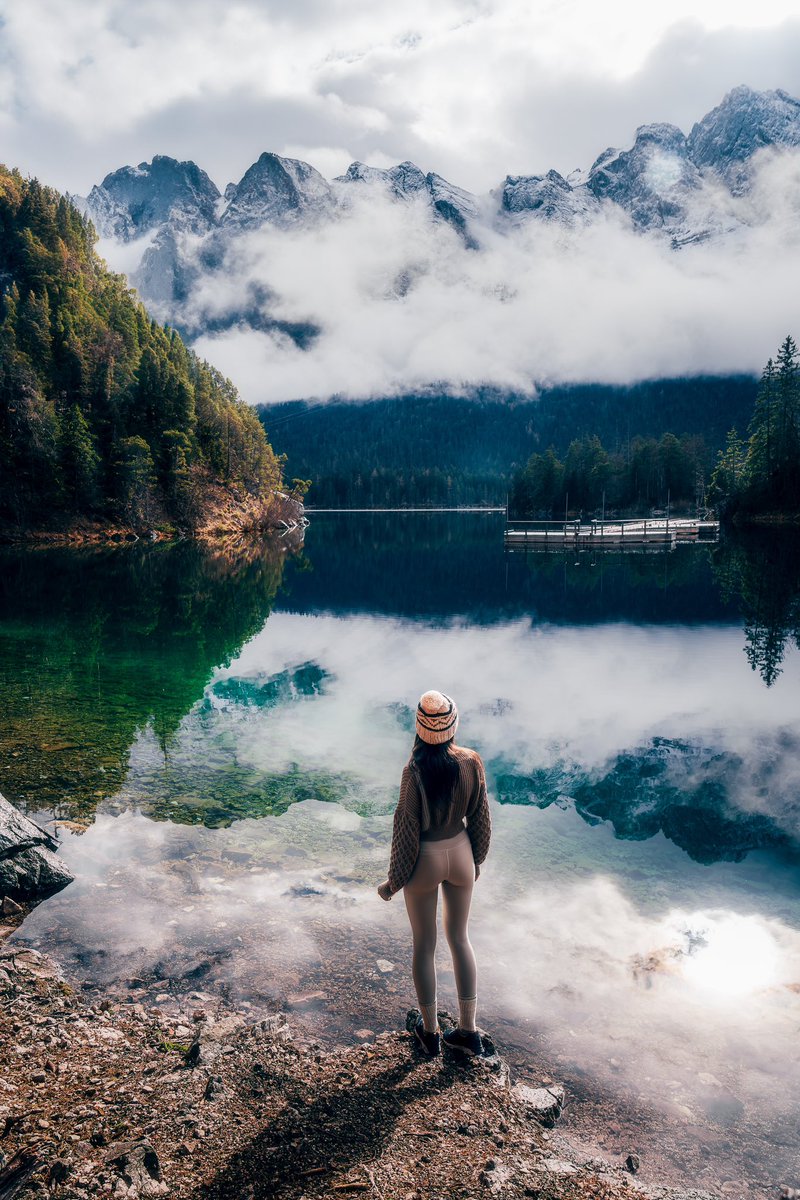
(402, 304)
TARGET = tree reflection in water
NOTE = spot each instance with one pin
(97, 644)
(762, 570)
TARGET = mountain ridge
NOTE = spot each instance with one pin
(744, 122)
(678, 188)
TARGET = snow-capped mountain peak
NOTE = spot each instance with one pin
(277, 191)
(549, 196)
(678, 188)
(134, 200)
(407, 182)
(744, 122)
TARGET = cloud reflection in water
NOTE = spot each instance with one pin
(625, 952)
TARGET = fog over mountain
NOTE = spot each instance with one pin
(676, 255)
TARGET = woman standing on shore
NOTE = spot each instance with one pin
(441, 835)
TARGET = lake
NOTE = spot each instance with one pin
(218, 738)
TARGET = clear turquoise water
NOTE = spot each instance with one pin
(222, 739)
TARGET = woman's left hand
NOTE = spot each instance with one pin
(384, 891)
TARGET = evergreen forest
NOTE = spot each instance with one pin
(759, 478)
(104, 414)
(644, 474)
(435, 449)
(755, 479)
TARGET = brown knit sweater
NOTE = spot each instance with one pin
(414, 819)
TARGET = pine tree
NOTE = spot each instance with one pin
(79, 460)
(787, 454)
(728, 476)
(33, 332)
(772, 470)
(135, 477)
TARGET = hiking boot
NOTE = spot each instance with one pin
(431, 1043)
(468, 1041)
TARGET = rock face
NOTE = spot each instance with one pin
(29, 869)
(407, 182)
(746, 121)
(548, 196)
(133, 200)
(276, 191)
(654, 181)
(666, 185)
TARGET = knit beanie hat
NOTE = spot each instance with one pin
(437, 718)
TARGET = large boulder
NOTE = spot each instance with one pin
(30, 870)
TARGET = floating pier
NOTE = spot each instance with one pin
(655, 533)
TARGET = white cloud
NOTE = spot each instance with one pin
(572, 712)
(471, 88)
(402, 304)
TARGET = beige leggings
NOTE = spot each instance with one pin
(448, 862)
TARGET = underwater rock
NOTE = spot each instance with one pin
(30, 871)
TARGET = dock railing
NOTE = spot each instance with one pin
(632, 531)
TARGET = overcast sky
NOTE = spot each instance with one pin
(474, 89)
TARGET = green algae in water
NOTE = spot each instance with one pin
(98, 644)
(221, 797)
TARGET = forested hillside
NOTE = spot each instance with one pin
(758, 478)
(103, 413)
(432, 449)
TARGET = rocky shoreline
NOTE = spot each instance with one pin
(226, 514)
(110, 1098)
(150, 1086)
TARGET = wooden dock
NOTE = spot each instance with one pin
(655, 533)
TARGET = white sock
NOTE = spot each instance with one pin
(430, 1019)
(466, 1013)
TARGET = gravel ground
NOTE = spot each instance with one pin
(111, 1098)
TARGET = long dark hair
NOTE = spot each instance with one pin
(438, 769)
